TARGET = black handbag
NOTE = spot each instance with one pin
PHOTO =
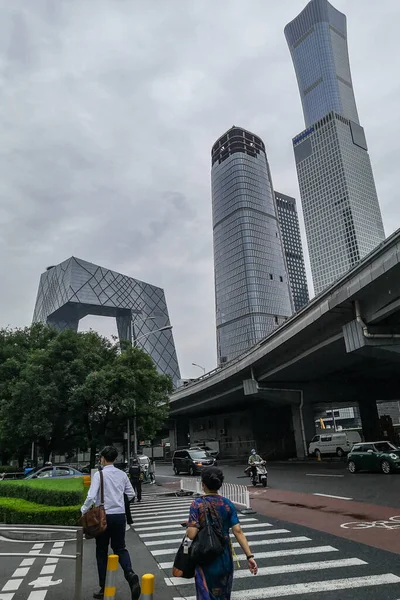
(183, 564)
(209, 543)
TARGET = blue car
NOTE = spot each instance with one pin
(58, 472)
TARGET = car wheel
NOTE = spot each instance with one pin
(191, 471)
(339, 452)
(318, 453)
(386, 467)
(352, 466)
(176, 471)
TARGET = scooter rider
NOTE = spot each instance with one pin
(253, 459)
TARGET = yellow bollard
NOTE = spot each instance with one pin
(111, 577)
(319, 458)
(147, 587)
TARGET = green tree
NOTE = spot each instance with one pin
(67, 390)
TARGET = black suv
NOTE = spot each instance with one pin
(191, 461)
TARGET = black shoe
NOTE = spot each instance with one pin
(134, 584)
(99, 595)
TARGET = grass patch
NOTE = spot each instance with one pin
(16, 511)
(53, 493)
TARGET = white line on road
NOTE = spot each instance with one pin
(7, 596)
(312, 587)
(37, 595)
(12, 585)
(156, 528)
(322, 475)
(179, 539)
(330, 496)
(310, 566)
(276, 553)
(173, 532)
(289, 540)
(20, 572)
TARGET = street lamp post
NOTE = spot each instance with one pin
(200, 367)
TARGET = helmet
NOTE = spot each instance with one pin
(253, 451)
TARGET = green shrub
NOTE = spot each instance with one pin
(15, 511)
(56, 492)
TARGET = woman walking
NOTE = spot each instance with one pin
(214, 581)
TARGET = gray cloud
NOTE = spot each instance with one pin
(109, 111)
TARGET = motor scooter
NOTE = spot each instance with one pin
(261, 474)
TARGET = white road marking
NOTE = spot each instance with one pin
(290, 540)
(313, 587)
(322, 475)
(38, 595)
(48, 570)
(276, 553)
(9, 596)
(27, 562)
(44, 582)
(174, 532)
(297, 568)
(12, 585)
(176, 522)
(37, 546)
(330, 496)
(156, 511)
(20, 572)
(179, 539)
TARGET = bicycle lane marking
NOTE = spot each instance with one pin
(392, 524)
(328, 515)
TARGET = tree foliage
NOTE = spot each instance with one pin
(68, 389)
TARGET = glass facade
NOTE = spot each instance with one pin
(289, 223)
(75, 288)
(251, 282)
(317, 40)
(341, 211)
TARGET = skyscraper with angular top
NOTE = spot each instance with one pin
(340, 205)
(251, 284)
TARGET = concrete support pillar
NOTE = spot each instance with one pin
(303, 428)
(369, 419)
(181, 433)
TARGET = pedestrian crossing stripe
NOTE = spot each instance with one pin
(279, 569)
(157, 522)
(332, 585)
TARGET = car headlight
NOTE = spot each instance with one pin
(394, 456)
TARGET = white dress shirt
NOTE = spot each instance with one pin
(116, 484)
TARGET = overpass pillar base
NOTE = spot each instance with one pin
(370, 419)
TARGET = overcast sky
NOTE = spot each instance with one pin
(109, 109)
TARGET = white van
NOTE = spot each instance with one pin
(339, 443)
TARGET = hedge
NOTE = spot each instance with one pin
(15, 511)
(8, 469)
(61, 493)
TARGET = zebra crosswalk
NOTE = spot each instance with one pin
(290, 565)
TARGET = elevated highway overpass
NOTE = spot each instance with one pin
(342, 348)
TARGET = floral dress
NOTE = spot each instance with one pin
(214, 581)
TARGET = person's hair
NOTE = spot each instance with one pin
(213, 478)
(109, 453)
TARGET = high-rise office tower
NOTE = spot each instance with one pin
(340, 205)
(289, 222)
(251, 284)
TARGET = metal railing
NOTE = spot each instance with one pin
(238, 494)
(36, 530)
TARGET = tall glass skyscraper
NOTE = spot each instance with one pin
(251, 283)
(289, 222)
(340, 204)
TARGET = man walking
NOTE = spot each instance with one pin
(116, 484)
(135, 475)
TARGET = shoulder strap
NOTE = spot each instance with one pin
(101, 488)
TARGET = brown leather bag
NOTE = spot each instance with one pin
(94, 521)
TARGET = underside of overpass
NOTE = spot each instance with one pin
(342, 348)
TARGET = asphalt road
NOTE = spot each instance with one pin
(321, 478)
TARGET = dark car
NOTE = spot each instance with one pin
(374, 456)
(214, 453)
(191, 461)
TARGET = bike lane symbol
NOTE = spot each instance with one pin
(392, 523)
(43, 582)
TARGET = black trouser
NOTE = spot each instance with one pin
(128, 515)
(137, 486)
(115, 533)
